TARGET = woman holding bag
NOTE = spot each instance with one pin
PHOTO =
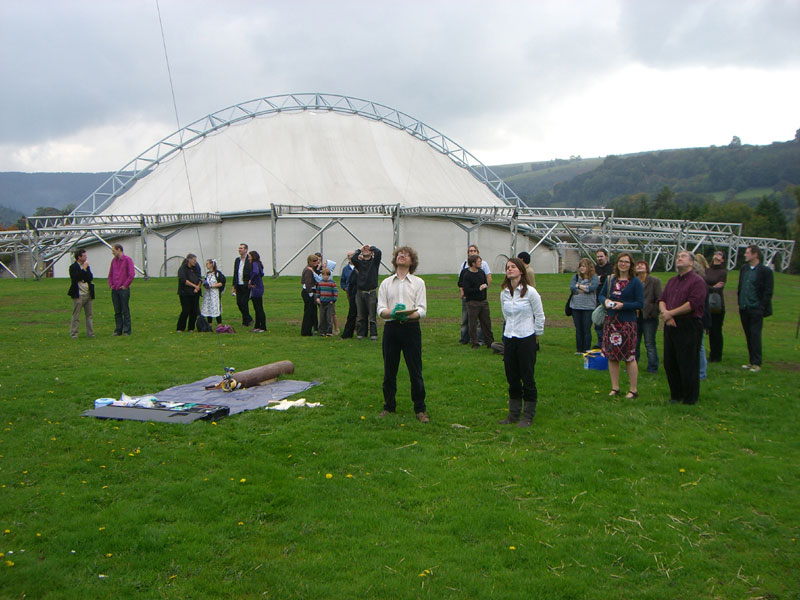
(584, 298)
(622, 295)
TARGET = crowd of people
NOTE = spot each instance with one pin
(623, 300)
(691, 304)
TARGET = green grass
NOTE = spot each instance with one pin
(601, 498)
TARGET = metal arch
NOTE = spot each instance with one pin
(163, 150)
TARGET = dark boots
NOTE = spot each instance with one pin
(514, 410)
(528, 414)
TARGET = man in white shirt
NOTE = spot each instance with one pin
(402, 302)
(473, 249)
(241, 279)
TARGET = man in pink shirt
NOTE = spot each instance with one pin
(120, 276)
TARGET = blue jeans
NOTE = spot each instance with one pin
(647, 330)
(583, 329)
(122, 312)
(703, 360)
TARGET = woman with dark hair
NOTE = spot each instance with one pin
(310, 322)
(256, 286)
(584, 286)
(623, 295)
(189, 285)
(716, 277)
(647, 317)
(524, 323)
(215, 285)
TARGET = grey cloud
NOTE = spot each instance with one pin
(713, 33)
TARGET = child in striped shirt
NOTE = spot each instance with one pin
(326, 294)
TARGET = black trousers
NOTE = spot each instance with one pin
(309, 314)
(352, 314)
(406, 338)
(243, 302)
(715, 337)
(258, 308)
(519, 359)
(752, 323)
(190, 309)
(682, 359)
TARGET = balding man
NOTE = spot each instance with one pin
(681, 305)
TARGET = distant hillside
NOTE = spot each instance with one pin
(25, 192)
(704, 172)
(533, 182)
(9, 216)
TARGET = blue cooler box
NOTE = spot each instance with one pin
(595, 360)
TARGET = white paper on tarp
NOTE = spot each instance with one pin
(287, 404)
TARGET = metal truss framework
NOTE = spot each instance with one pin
(48, 238)
(197, 131)
(582, 229)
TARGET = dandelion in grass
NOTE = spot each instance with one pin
(349, 475)
(242, 480)
(9, 563)
(682, 470)
(512, 547)
(328, 475)
(109, 555)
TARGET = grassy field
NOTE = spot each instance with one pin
(601, 498)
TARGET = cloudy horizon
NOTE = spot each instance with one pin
(511, 82)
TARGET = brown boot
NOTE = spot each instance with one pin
(514, 409)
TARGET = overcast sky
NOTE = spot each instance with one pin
(84, 84)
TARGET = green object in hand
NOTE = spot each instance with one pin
(401, 316)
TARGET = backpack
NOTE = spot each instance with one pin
(202, 325)
(225, 329)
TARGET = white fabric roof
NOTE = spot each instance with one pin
(309, 158)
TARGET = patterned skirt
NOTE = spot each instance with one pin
(619, 339)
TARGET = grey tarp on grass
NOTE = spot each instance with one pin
(236, 402)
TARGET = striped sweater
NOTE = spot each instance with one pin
(326, 291)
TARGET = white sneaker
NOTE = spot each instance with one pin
(755, 369)
(747, 367)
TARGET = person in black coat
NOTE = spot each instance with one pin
(190, 283)
(81, 290)
(366, 261)
(755, 302)
(241, 279)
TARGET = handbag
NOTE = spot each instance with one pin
(715, 302)
(567, 307)
(599, 312)
(599, 315)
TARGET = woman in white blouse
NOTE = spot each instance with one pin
(524, 323)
